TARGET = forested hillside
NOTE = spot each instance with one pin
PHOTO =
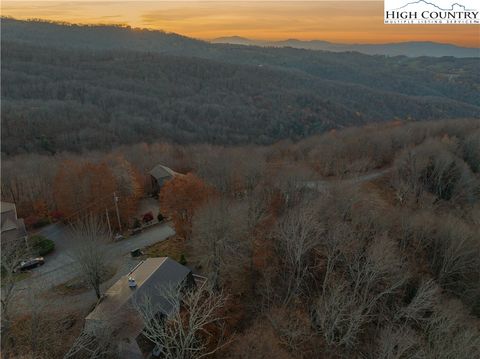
(87, 87)
(447, 76)
(358, 243)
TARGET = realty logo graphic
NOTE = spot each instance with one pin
(436, 12)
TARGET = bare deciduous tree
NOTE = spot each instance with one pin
(434, 168)
(291, 181)
(398, 343)
(216, 168)
(89, 251)
(28, 179)
(347, 304)
(471, 151)
(426, 297)
(293, 330)
(297, 233)
(193, 328)
(338, 315)
(220, 239)
(333, 244)
(258, 210)
(12, 252)
(258, 341)
(35, 308)
(454, 255)
(451, 333)
(95, 343)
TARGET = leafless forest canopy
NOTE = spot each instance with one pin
(357, 243)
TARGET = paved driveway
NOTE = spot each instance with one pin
(60, 267)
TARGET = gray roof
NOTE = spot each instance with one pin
(162, 172)
(8, 224)
(150, 276)
(11, 226)
(7, 206)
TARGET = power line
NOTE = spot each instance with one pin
(115, 199)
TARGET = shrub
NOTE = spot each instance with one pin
(41, 222)
(160, 217)
(183, 260)
(147, 217)
(46, 247)
(56, 215)
(41, 245)
(136, 223)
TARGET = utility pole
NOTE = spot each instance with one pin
(108, 221)
(115, 199)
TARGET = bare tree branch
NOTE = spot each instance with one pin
(89, 251)
(193, 326)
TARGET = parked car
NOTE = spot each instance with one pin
(118, 237)
(31, 263)
(136, 253)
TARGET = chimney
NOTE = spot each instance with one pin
(131, 282)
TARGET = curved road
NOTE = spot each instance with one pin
(60, 267)
(323, 185)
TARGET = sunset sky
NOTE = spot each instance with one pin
(336, 21)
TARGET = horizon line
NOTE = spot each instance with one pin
(138, 28)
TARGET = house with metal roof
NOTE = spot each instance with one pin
(13, 228)
(116, 309)
(159, 175)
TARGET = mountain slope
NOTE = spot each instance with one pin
(73, 88)
(458, 79)
(63, 99)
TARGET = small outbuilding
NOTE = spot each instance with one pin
(159, 175)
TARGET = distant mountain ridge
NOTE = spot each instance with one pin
(71, 87)
(107, 37)
(410, 48)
